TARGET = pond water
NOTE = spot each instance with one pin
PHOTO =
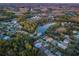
(42, 29)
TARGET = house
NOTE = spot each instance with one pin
(76, 36)
(58, 53)
(62, 24)
(23, 10)
(62, 45)
(4, 37)
(47, 38)
(66, 36)
(61, 29)
(14, 21)
(54, 42)
(44, 10)
(75, 18)
(36, 18)
(57, 12)
(66, 41)
(75, 32)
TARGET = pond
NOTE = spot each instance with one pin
(42, 29)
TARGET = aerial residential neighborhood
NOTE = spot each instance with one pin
(43, 29)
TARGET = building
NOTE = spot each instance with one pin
(62, 45)
(44, 10)
(75, 18)
(36, 18)
(23, 10)
(47, 38)
(57, 12)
